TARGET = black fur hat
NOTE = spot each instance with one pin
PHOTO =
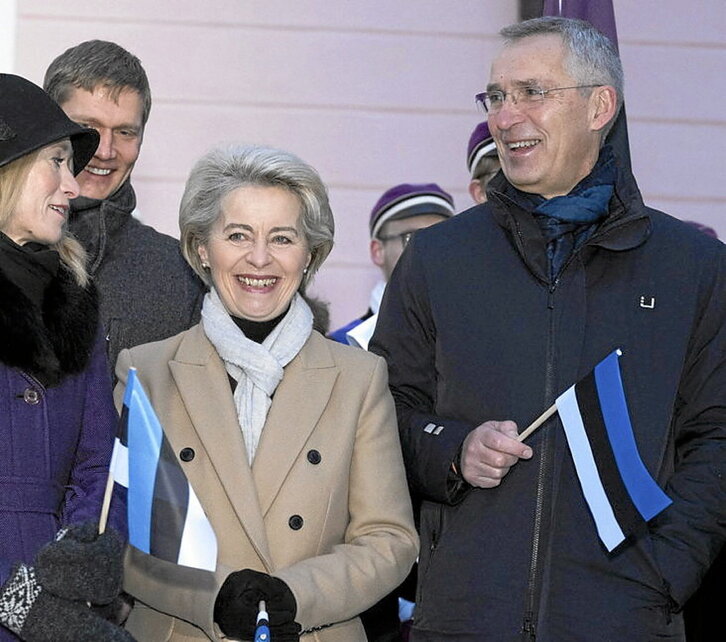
(30, 119)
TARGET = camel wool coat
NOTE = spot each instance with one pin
(324, 507)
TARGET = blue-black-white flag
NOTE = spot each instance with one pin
(618, 489)
(165, 517)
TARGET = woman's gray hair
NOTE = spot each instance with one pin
(591, 57)
(224, 169)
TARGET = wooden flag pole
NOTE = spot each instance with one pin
(106, 504)
(538, 422)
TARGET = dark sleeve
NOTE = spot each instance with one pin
(406, 337)
(87, 482)
(689, 534)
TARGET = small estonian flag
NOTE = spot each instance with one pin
(262, 630)
(165, 517)
(619, 490)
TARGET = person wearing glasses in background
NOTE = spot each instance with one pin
(491, 315)
(482, 161)
(401, 211)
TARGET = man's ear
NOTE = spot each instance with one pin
(477, 194)
(377, 252)
(603, 106)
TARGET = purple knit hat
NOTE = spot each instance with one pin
(481, 144)
(405, 200)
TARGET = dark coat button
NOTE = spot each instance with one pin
(314, 456)
(295, 522)
(186, 454)
(31, 396)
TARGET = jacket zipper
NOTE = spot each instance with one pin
(435, 536)
(529, 624)
(529, 621)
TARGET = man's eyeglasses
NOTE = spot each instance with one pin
(404, 236)
(493, 101)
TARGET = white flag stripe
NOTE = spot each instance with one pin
(120, 463)
(607, 526)
(198, 547)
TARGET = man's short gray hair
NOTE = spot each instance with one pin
(224, 169)
(98, 63)
(591, 57)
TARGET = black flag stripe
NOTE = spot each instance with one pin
(170, 503)
(626, 513)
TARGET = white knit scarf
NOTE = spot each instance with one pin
(257, 368)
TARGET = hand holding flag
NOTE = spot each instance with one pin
(618, 488)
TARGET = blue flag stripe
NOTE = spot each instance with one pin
(607, 525)
(628, 517)
(166, 519)
(647, 496)
(144, 441)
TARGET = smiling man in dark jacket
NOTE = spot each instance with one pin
(148, 292)
(492, 314)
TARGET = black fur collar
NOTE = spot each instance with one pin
(57, 342)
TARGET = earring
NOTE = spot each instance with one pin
(305, 270)
(205, 266)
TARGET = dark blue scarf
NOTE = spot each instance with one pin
(568, 221)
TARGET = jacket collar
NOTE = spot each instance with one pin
(626, 226)
(299, 401)
(94, 222)
(55, 341)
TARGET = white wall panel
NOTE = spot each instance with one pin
(8, 25)
(438, 16)
(244, 65)
(672, 22)
(678, 161)
(347, 147)
(662, 84)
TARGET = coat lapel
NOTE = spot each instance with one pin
(202, 382)
(298, 403)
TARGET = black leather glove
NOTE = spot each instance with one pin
(37, 615)
(237, 604)
(81, 564)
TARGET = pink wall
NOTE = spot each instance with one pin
(376, 93)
